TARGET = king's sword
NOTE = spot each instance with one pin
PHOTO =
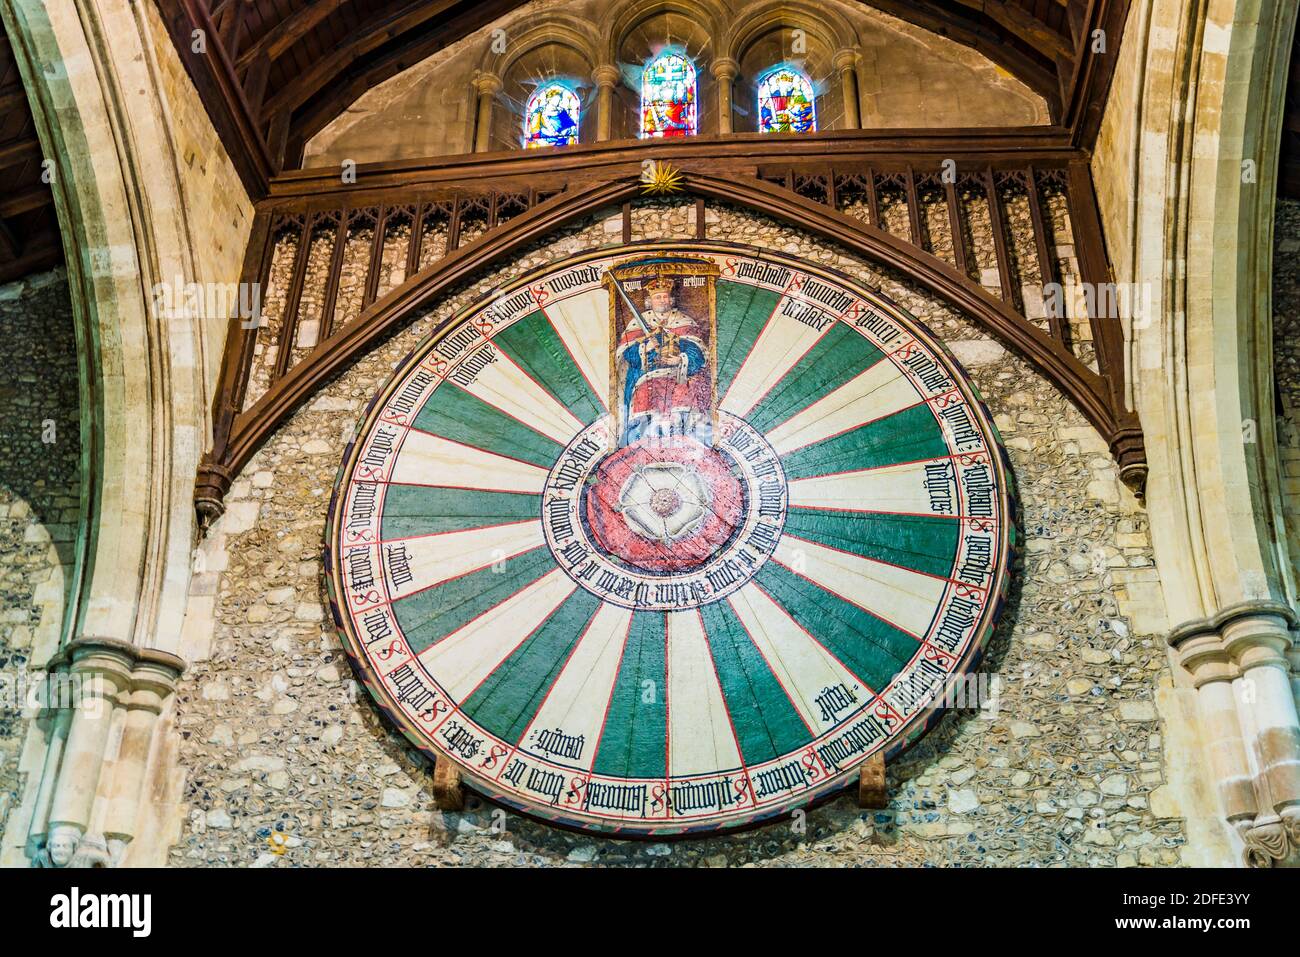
(636, 313)
(669, 341)
(640, 321)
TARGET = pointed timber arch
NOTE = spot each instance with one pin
(1096, 396)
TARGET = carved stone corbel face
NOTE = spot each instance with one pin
(60, 847)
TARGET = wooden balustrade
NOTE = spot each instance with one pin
(343, 265)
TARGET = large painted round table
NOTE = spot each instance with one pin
(669, 538)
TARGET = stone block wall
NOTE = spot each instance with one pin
(1117, 142)
(40, 494)
(289, 763)
(1286, 363)
(218, 211)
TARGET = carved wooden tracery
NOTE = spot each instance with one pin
(463, 216)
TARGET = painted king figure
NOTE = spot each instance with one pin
(667, 387)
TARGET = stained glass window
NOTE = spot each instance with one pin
(551, 117)
(786, 103)
(668, 96)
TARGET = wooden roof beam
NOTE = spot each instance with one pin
(214, 77)
(1288, 179)
(377, 33)
(1076, 14)
(19, 151)
(359, 77)
(46, 255)
(281, 38)
(25, 202)
(1025, 25)
(9, 248)
(1086, 90)
(12, 98)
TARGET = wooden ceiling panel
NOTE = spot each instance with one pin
(1288, 174)
(294, 65)
(29, 228)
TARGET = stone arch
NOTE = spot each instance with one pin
(1207, 97)
(507, 77)
(627, 14)
(751, 22)
(831, 39)
(145, 401)
(131, 354)
(558, 28)
(638, 32)
(1214, 317)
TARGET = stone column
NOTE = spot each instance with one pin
(487, 85)
(96, 78)
(57, 721)
(153, 679)
(1199, 648)
(1259, 642)
(93, 787)
(1249, 726)
(1194, 236)
(724, 70)
(95, 676)
(606, 78)
(846, 62)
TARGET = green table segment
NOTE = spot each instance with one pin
(670, 537)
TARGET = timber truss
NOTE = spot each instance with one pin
(983, 219)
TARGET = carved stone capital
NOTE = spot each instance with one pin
(1258, 633)
(488, 83)
(85, 779)
(1202, 653)
(1244, 635)
(606, 75)
(845, 59)
(1250, 726)
(724, 68)
(121, 659)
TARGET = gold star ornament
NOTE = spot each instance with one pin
(660, 179)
